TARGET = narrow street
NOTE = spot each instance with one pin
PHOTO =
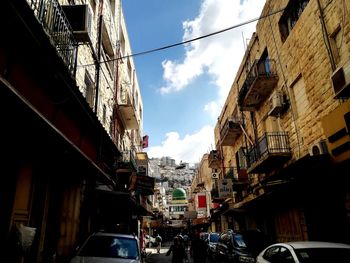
(154, 257)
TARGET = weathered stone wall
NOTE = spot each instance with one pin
(304, 69)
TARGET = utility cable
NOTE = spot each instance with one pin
(189, 40)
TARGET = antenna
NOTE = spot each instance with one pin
(244, 42)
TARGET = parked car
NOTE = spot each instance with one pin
(150, 241)
(212, 240)
(305, 252)
(239, 246)
(109, 247)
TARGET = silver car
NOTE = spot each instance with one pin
(305, 252)
(109, 247)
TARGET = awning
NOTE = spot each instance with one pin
(44, 126)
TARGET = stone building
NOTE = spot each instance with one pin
(72, 125)
(283, 133)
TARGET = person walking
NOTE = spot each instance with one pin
(198, 249)
(178, 252)
(159, 243)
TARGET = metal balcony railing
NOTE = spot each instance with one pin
(55, 23)
(230, 131)
(269, 150)
(261, 79)
(128, 160)
(214, 159)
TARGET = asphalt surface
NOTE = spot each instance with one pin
(154, 257)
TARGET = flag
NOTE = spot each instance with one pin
(145, 141)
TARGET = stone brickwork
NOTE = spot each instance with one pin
(112, 74)
(304, 69)
(304, 55)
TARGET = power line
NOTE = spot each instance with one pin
(189, 40)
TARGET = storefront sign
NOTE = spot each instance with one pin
(225, 188)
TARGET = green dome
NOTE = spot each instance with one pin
(179, 194)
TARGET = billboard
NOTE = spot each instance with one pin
(225, 188)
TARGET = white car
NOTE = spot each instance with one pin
(305, 252)
(109, 247)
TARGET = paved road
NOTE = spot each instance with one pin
(154, 257)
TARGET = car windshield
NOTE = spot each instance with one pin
(214, 237)
(323, 255)
(110, 247)
(239, 241)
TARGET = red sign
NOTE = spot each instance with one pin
(145, 141)
(202, 201)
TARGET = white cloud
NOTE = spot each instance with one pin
(212, 108)
(188, 149)
(218, 56)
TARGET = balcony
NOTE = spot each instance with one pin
(230, 171)
(271, 151)
(127, 162)
(240, 180)
(214, 159)
(230, 131)
(261, 80)
(54, 21)
(127, 110)
(239, 177)
(215, 195)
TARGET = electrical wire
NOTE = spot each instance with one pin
(285, 87)
(190, 40)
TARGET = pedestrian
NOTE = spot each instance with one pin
(178, 252)
(159, 243)
(198, 249)
(143, 244)
(186, 240)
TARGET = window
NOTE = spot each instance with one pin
(241, 160)
(336, 41)
(272, 254)
(110, 247)
(89, 89)
(239, 241)
(331, 254)
(286, 256)
(104, 114)
(129, 70)
(290, 16)
(299, 97)
(108, 58)
(122, 44)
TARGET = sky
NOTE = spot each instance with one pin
(185, 87)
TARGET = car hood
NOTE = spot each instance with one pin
(103, 260)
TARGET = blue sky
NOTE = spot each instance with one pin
(184, 88)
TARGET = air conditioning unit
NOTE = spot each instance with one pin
(215, 176)
(318, 148)
(79, 18)
(341, 81)
(276, 103)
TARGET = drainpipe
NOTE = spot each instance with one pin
(99, 44)
(98, 66)
(325, 35)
